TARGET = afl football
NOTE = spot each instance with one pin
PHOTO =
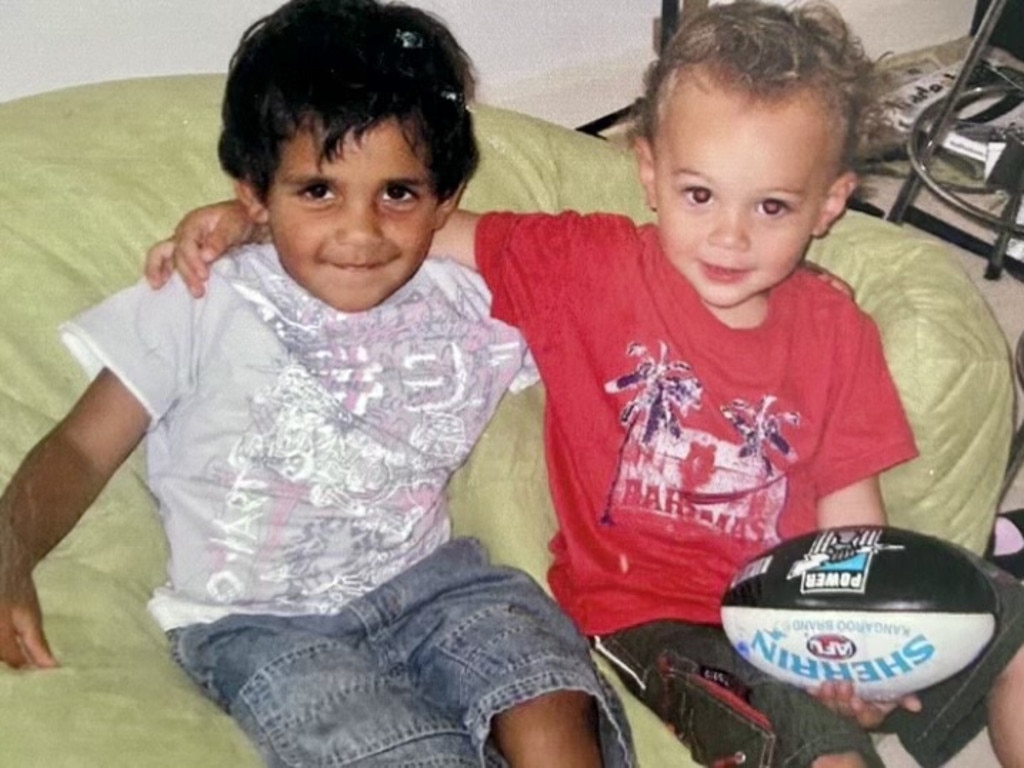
(890, 610)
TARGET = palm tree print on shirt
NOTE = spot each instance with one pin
(669, 468)
(760, 428)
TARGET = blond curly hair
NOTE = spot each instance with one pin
(772, 52)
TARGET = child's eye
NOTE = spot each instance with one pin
(773, 207)
(698, 195)
(399, 193)
(316, 191)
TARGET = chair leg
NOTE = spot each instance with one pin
(912, 185)
(994, 268)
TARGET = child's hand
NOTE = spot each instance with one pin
(200, 238)
(22, 642)
(839, 697)
(823, 274)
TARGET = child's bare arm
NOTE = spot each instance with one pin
(57, 481)
(205, 234)
(857, 504)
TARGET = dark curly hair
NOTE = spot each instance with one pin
(339, 68)
(771, 52)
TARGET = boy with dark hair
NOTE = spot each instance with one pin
(303, 421)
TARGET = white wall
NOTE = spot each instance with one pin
(567, 60)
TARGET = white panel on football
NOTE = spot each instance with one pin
(885, 654)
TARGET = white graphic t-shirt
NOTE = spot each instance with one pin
(300, 454)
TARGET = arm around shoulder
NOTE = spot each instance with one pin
(202, 236)
(456, 239)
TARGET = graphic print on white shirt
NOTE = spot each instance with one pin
(350, 447)
(670, 471)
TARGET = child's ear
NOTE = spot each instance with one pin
(447, 206)
(645, 167)
(251, 200)
(835, 202)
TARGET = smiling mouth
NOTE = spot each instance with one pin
(361, 266)
(723, 274)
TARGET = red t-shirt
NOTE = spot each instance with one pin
(677, 447)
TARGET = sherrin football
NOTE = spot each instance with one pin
(891, 610)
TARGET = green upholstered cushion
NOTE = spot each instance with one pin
(89, 177)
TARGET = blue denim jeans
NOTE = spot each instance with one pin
(410, 674)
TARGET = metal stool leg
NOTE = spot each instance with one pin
(995, 259)
(912, 184)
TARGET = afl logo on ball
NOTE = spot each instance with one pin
(839, 561)
(831, 647)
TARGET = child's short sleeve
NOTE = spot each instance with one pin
(539, 266)
(866, 431)
(142, 336)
